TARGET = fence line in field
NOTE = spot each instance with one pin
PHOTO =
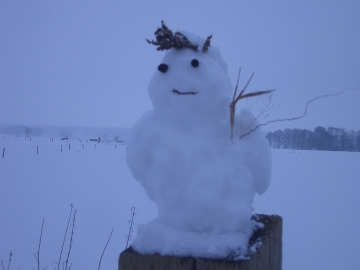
(37, 149)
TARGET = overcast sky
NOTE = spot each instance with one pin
(86, 63)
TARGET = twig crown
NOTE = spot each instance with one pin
(165, 40)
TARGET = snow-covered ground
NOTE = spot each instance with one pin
(316, 193)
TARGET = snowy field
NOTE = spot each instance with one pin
(316, 193)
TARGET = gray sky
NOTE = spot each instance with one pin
(86, 63)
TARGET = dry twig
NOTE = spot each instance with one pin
(131, 221)
(2, 262)
(241, 96)
(71, 240)
(37, 256)
(62, 247)
(105, 248)
(303, 115)
(263, 110)
(9, 260)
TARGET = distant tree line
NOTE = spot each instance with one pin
(20, 130)
(330, 139)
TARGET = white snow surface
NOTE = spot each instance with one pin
(181, 152)
(315, 192)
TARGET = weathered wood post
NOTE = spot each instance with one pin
(3, 152)
(267, 257)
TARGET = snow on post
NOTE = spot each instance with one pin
(268, 254)
(202, 181)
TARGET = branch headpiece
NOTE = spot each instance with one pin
(165, 40)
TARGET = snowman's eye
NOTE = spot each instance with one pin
(195, 63)
(163, 68)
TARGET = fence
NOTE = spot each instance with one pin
(39, 147)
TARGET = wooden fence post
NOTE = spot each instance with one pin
(267, 257)
(3, 152)
(37, 150)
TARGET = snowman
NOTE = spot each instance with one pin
(202, 182)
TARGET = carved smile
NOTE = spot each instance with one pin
(184, 93)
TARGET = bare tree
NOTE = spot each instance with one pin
(28, 130)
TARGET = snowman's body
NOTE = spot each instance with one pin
(202, 182)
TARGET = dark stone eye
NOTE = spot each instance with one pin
(163, 68)
(195, 63)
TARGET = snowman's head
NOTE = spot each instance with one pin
(191, 84)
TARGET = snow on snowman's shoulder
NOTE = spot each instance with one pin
(202, 182)
(256, 149)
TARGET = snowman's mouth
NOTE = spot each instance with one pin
(183, 93)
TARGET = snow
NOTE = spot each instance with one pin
(95, 180)
(316, 193)
(181, 152)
